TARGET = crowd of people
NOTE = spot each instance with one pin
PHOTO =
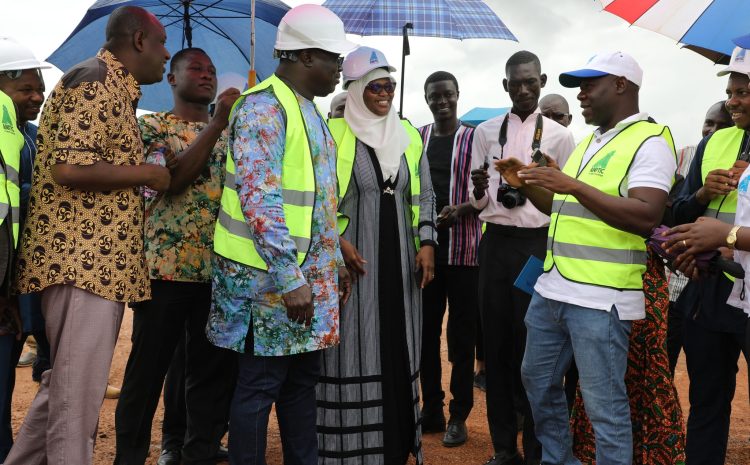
(276, 258)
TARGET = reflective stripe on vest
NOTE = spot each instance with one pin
(721, 152)
(11, 144)
(581, 246)
(233, 237)
(346, 143)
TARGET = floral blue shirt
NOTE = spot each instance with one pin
(245, 297)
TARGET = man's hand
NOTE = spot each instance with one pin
(354, 261)
(480, 178)
(447, 217)
(425, 262)
(345, 286)
(224, 103)
(704, 235)
(509, 168)
(718, 182)
(166, 153)
(158, 177)
(299, 306)
(551, 179)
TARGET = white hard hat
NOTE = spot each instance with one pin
(362, 61)
(14, 56)
(312, 26)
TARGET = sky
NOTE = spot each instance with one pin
(678, 85)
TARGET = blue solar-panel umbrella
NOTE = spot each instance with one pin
(232, 32)
(452, 19)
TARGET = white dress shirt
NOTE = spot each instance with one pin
(557, 142)
(740, 296)
(653, 166)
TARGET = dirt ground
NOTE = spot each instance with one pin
(474, 452)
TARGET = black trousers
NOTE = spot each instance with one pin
(174, 425)
(460, 287)
(503, 252)
(675, 336)
(210, 374)
(711, 358)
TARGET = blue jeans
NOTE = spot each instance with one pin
(289, 382)
(558, 332)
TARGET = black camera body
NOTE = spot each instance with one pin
(510, 197)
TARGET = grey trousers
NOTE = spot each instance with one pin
(60, 427)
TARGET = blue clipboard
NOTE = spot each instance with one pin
(529, 274)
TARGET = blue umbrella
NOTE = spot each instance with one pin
(479, 115)
(223, 28)
(453, 19)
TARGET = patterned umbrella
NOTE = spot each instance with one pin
(226, 29)
(453, 19)
(704, 26)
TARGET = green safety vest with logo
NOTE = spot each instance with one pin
(11, 144)
(346, 146)
(232, 236)
(584, 248)
(720, 153)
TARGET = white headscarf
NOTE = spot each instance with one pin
(384, 134)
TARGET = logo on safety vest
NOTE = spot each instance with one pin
(7, 121)
(601, 165)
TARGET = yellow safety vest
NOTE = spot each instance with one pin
(11, 144)
(346, 146)
(232, 237)
(584, 248)
(720, 153)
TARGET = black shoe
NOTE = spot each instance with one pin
(222, 455)
(480, 381)
(433, 422)
(169, 457)
(505, 458)
(456, 434)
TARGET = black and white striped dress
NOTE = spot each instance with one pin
(368, 378)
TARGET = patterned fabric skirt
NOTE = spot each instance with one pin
(658, 432)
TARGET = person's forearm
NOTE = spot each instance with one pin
(193, 160)
(627, 214)
(102, 176)
(540, 197)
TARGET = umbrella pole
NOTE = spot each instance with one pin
(251, 73)
(404, 51)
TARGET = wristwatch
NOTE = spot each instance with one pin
(732, 236)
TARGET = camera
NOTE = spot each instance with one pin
(510, 197)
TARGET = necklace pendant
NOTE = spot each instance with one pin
(389, 191)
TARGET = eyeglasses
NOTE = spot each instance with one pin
(12, 74)
(376, 87)
(331, 56)
(555, 116)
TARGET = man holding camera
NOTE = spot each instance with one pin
(515, 231)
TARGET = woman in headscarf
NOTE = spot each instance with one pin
(368, 407)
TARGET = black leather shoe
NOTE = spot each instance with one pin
(480, 381)
(456, 434)
(222, 455)
(505, 458)
(169, 457)
(433, 422)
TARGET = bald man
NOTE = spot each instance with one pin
(555, 107)
(85, 221)
(338, 103)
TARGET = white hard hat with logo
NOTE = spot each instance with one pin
(16, 57)
(312, 26)
(362, 61)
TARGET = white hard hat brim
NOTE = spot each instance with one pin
(349, 79)
(24, 65)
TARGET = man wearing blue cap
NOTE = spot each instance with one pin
(607, 198)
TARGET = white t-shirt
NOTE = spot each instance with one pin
(740, 296)
(653, 166)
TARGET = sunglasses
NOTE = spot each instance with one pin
(555, 116)
(376, 87)
(331, 56)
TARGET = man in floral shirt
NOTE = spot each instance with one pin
(281, 307)
(178, 239)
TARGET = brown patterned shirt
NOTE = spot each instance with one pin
(90, 240)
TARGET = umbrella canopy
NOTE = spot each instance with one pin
(452, 19)
(479, 115)
(220, 27)
(704, 26)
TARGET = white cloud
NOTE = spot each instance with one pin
(678, 84)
